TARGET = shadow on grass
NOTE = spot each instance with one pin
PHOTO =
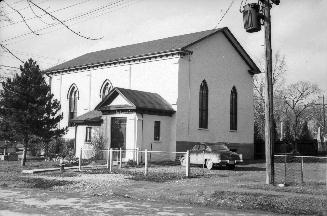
(43, 183)
(250, 168)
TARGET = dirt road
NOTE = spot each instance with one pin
(41, 202)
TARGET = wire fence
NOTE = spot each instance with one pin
(290, 169)
(136, 160)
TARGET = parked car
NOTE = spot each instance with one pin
(212, 154)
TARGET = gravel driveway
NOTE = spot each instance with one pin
(41, 202)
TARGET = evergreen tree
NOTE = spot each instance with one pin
(27, 107)
(305, 134)
(288, 137)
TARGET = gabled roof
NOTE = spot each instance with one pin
(138, 101)
(92, 117)
(157, 48)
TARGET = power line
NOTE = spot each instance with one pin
(23, 18)
(5, 48)
(7, 66)
(69, 19)
(222, 17)
(26, 7)
(87, 18)
(53, 11)
(55, 18)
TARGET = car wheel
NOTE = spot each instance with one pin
(230, 166)
(183, 161)
(209, 164)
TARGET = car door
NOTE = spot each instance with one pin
(194, 154)
(201, 154)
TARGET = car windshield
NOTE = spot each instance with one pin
(220, 147)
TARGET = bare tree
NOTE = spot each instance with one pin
(279, 71)
(300, 99)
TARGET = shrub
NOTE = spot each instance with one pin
(98, 143)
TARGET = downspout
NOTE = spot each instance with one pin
(60, 95)
(142, 136)
(75, 142)
(189, 96)
(130, 76)
(90, 85)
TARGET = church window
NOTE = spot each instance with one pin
(203, 105)
(88, 134)
(233, 109)
(156, 130)
(73, 95)
(105, 89)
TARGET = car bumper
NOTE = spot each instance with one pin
(229, 162)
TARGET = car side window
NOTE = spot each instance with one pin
(195, 148)
(202, 147)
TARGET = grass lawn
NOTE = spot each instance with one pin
(242, 188)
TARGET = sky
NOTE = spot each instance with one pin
(299, 30)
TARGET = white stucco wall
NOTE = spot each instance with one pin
(153, 76)
(167, 140)
(216, 61)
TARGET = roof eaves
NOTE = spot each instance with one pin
(121, 60)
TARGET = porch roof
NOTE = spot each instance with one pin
(140, 101)
(91, 117)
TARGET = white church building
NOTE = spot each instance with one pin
(167, 94)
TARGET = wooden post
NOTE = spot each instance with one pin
(108, 157)
(137, 156)
(302, 170)
(80, 160)
(120, 157)
(285, 169)
(188, 163)
(111, 159)
(146, 162)
(269, 111)
(281, 131)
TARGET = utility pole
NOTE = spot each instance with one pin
(251, 19)
(269, 110)
(324, 115)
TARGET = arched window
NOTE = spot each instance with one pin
(233, 109)
(73, 96)
(105, 88)
(203, 105)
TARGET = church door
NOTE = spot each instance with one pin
(118, 132)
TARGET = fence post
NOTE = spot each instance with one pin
(108, 156)
(80, 160)
(120, 159)
(137, 156)
(188, 163)
(302, 170)
(326, 173)
(285, 162)
(111, 159)
(146, 162)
